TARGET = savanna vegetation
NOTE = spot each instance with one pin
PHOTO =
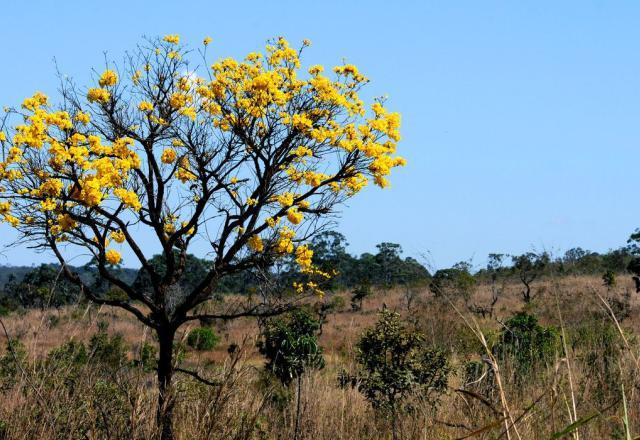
(246, 316)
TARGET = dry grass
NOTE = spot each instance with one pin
(585, 378)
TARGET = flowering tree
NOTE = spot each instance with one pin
(246, 157)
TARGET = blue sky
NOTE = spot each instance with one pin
(520, 119)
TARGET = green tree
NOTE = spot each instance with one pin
(396, 362)
(456, 280)
(327, 306)
(202, 339)
(359, 294)
(291, 347)
(609, 279)
(44, 286)
(526, 344)
(389, 261)
(329, 251)
(194, 272)
(528, 267)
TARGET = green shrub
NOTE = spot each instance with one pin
(291, 346)
(396, 361)
(609, 279)
(202, 339)
(359, 294)
(456, 281)
(526, 344)
(10, 363)
(108, 351)
(109, 401)
(69, 354)
(599, 344)
(147, 357)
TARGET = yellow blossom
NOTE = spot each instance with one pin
(169, 228)
(302, 151)
(145, 106)
(285, 241)
(128, 198)
(66, 222)
(285, 199)
(108, 78)
(83, 117)
(118, 236)
(172, 38)
(168, 156)
(98, 95)
(303, 257)
(48, 205)
(190, 112)
(112, 256)
(35, 102)
(272, 222)
(294, 216)
(184, 173)
(178, 100)
(255, 243)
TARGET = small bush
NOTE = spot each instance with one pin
(10, 363)
(291, 346)
(526, 344)
(396, 361)
(108, 351)
(69, 354)
(609, 279)
(202, 339)
(147, 360)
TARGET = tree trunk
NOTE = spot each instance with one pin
(297, 429)
(394, 426)
(165, 374)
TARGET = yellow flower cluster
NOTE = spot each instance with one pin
(83, 117)
(184, 173)
(302, 151)
(108, 78)
(118, 236)
(303, 257)
(5, 212)
(172, 38)
(255, 243)
(112, 256)
(294, 216)
(145, 106)
(168, 156)
(86, 170)
(99, 95)
(260, 86)
(189, 112)
(284, 244)
(285, 199)
(128, 198)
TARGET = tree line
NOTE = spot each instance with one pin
(44, 286)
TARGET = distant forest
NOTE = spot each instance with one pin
(45, 286)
